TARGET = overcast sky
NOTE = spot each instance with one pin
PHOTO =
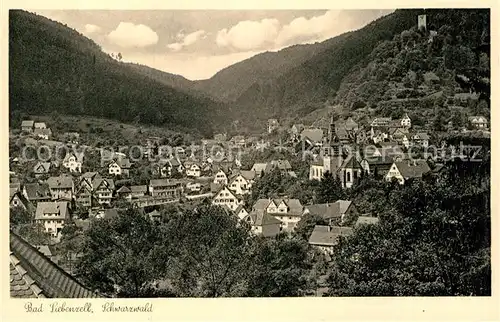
(197, 44)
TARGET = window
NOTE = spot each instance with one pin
(348, 176)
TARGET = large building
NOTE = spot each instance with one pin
(53, 215)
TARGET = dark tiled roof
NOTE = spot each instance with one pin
(328, 236)
(36, 191)
(32, 274)
(329, 210)
(60, 182)
(412, 169)
(60, 208)
(21, 284)
(109, 183)
(351, 163)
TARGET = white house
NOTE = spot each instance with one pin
(288, 211)
(40, 125)
(242, 182)
(226, 197)
(73, 163)
(221, 178)
(406, 121)
(193, 171)
(53, 216)
(478, 122)
(27, 126)
(120, 166)
(241, 212)
(104, 189)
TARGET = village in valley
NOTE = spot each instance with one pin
(69, 191)
(315, 184)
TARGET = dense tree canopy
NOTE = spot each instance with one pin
(434, 239)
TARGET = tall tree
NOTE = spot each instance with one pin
(120, 255)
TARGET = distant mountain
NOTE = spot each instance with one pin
(232, 81)
(55, 69)
(172, 80)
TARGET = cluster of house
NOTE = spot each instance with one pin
(52, 202)
(349, 152)
(269, 217)
(37, 129)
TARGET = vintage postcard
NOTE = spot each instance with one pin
(216, 161)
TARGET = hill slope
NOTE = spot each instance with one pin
(55, 69)
(311, 84)
(229, 83)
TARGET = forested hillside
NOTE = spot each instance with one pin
(231, 82)
(55, 69)
(356, 71)
(442, 72)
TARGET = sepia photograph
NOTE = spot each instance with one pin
(249, 153)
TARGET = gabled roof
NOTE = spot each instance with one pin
(366, 220)
(34, 275)
(29, 206)
(351, 163)
(328, 236)
(412, 169)
(329, 210)
(381, 160)
(78, 157)
(222, 188)
(477, 118)
(295, 208)
(123, 189)
(36, 191)
(109, 183)
(239, 208)
(281, 164)
(60, 182)
(27, 123)
(41, 167)
(264, 219)
(52, 207)
(123, 163)
(248, 175)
